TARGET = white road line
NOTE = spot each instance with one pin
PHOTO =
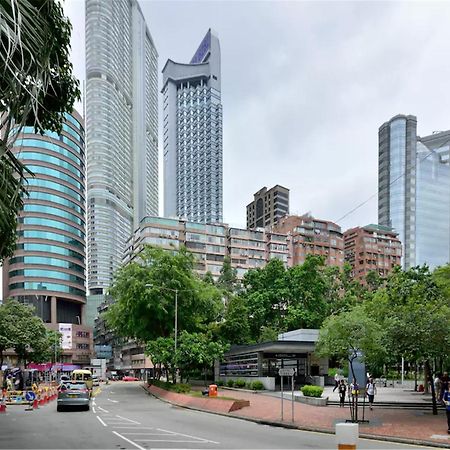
(147, 434)
(133, 428)
(179, 442)
(113, 401)
(188, 436)
(93, 409)
(129, 420)
(128, 440)
(102, 409)
(101, 421)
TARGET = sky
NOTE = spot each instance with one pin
(305, 87)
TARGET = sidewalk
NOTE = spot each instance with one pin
(418, 427)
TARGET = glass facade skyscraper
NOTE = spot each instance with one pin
(414, 190)
(192, 111)
(121, 132)
(47, 269)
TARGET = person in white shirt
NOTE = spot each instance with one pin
(371, 390)
(336, 381)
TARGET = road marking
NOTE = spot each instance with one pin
(93, 409)
(147, 434)
(188, 436)
(114, 401)
(103, 409)
(101, 421)
(178, 441)
(129, 420)
(128, 440)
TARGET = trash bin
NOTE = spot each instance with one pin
(212, 392)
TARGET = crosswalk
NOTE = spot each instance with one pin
(144, 437)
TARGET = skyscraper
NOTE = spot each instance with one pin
(268, 207)
(121, 131)
(193, 135)
(47, 269)
(414, 190)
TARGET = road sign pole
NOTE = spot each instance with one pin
(292, 384)
(282, 395)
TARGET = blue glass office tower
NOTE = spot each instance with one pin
(192, 115)
(47, 269)
(414, 190)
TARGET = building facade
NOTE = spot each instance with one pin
(211, 243)
(121, 130)
(192, 112)
(48, 268)
(414, 190)
(311, 236)
(372, 248)
(267, 207)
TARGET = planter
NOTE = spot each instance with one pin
(206, 403)
(314, 401)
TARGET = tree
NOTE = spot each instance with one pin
(235, 329)
(36, 88)
(144, 294)
(198, 352)
(228, 276)
(48, 349)
(161, 352)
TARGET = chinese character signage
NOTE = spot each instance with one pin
(66, 340)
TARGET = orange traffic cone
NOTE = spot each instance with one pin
(35, 403)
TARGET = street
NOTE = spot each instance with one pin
(122, 416)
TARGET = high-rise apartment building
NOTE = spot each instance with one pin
(372, 248)
(121, 132)
(267, 207)
(192, 113)
(47, 269)
(414, 190)
(312, 236)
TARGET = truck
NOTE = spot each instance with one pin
(98, 368)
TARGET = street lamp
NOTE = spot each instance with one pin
(176, 305)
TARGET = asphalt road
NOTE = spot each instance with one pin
(122, 416)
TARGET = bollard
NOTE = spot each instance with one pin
(347, 435)
(35, 403)
(2, 405)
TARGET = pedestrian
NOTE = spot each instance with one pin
(336, 381)
(446, 400)
(444, 385)
(342, 391)
(9, 383)
(371, 390)
(437, 386)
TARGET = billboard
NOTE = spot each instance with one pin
(66, 339)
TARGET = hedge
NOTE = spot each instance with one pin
(239, 383)
(312, 391)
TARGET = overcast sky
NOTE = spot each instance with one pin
(305, 86)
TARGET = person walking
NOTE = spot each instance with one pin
(342, 390)
(336, 381)
(444, 385)
(371, 390)
(437, 386)
(446, 400)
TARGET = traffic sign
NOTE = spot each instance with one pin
(286, 372)
(30, 396)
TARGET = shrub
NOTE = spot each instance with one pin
(257, 385)
(220, 383)
(181, 388)
(248, 385)
(312, 391)
(239, 383)
(230, 383)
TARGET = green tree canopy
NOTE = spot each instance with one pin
(144, 294)
(36, 87)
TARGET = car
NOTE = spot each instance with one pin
(73, 394)
(129, 378)
(64, 378)
(95, 380)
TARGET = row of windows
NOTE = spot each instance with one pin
(37, 234)
(52, 210)
(38, 143)
(45, 274)
(47, 261)
(51, 223)
(56, 186)
(52, 160)
(47, 286)
(55, 173)
(37, 195)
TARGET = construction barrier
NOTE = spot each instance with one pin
(32, 398)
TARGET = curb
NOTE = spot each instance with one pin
(374, 437)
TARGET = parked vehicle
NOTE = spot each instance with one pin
(73, 394)
(129, 378)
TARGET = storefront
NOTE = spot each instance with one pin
(263, 361)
